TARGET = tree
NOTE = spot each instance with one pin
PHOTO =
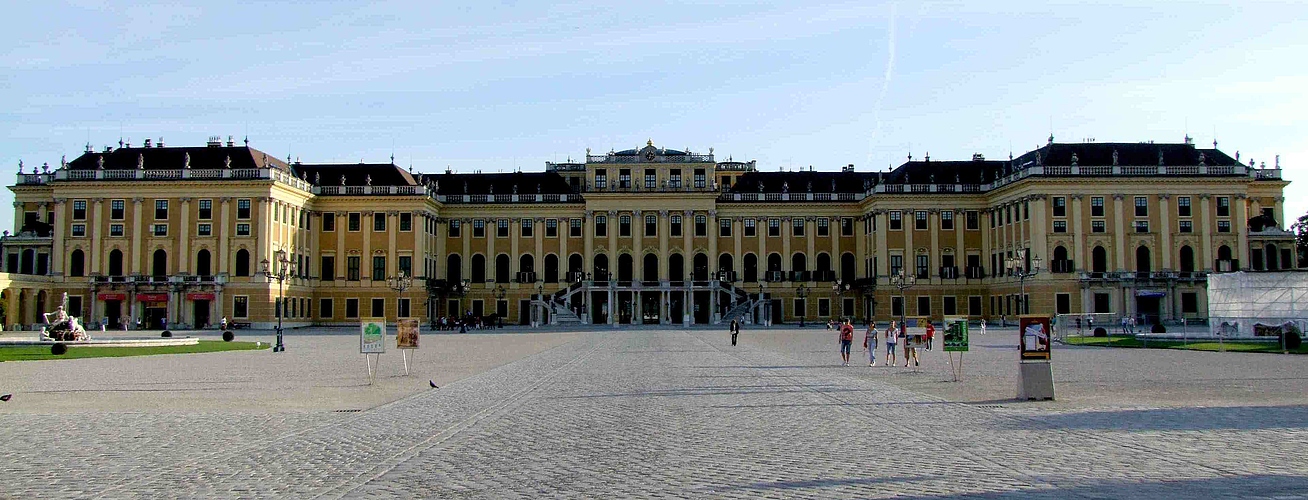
(1300, 229)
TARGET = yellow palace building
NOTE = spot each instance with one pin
(648, 235)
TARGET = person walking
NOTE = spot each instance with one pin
(983, 326)
(910, 350)
(891, 334)
(870, 343)
(846, 339)
(735, 331)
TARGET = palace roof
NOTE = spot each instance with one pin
(357, 174)
(499, 183)
(1128, 153)
(158, 158)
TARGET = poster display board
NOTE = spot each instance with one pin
(1034, 340)
(406, 333)
(915, 332)
(956, 334)
(372, 336)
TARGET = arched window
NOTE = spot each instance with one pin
(625, 263)
(116, 262)
(1060, 264)
(701, 267)
(847, 267)
(453, 269)
(751, 268)
(1187, 259)
(1142, 264)
(242, 262)
(1224, 252)
(502, 268)
(726, 266)
(823, 267)
(202, 265)
(77, 263)
(551, 269)
(575, 266)
(676, 267)
(1271, 252)
(160, 264)
(1099, 260)
(650, 268)
(774, 267)
(601, 268)
(478, 268)
(798, 267)
(527, 263)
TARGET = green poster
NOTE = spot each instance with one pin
(955, 334)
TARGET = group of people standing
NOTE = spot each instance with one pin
(894, 334)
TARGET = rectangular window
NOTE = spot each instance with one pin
(406, 221)
(1189, 303)
(601, 179)
(478, 228)
(724, 227)
(243, 209)
(160, 209)
(674, 226)
(328, 268)
(973, 220)
(243, 229)
(1060, 226)
(1026, 210)
(117, 209)
(354, 222)
(204, 229)
(824, 307)
(1096, 206)
(352, 264)
(574, 228)
(1103, 303)
(896, 264)
(1187, 226)
(79, 209)
(402, 308)
(674, 178)
(651, 225)
(241, 306)
(454, 228)
(502, 228)
(1141, 206)
(797, 226)
(750, 227)
(896, 306)
(896, 220)
(923, 305)
(920, 220)
(378, 267)
(923, 265)
(846, 226)
(974, 305)
(1183, 206)
(601, 226)
(1063, 303)
(801, 308)
(1060, 206)
(1223, 206)
(1142, 226)
(624, 178)
(551, 228)
(79, 230)
(328, 222)
(527, 228)
(206, 209)
(651, 179)
(115, 230)
(774, 227)
(701, 225)
(1097, 226)
(159, 229)
(325, 308)
(379, 221)
(951, 306)
(1223, 226)
(351, 308)
(405, 265)
(700, 180)
(624, 225)
(947, 220)
(823, 226)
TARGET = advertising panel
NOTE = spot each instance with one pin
(406, 333)
(372, 335)
(956, 334)
(1034, 340)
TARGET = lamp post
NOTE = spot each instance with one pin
(839, 288)
(399, 283)
(1017, 267)
(766, 310)
(540, 295)
(499, 296)
(284, 271)
(902, 281)
(802, 292)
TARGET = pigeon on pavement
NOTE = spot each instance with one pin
(433, 384)
(6, 397)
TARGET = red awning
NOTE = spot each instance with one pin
(111, 296)
(199, 296)
(152, 297)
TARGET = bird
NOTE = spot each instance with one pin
(6, 397)
(432, 382)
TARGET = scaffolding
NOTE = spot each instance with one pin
(1261, 304)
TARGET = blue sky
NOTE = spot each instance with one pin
(501, 85)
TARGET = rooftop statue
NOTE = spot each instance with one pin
(785, 187)
(186, 160)
(367, 179)
(1114, 157)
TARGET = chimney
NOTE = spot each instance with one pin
(147, 143)
(160, 143)
(214, 141)
(230, 142)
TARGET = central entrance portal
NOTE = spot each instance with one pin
(649, 308)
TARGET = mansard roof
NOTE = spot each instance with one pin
(947, 172)
(176, 158)
(800, 181)
(1128, 153)
(357, 174)
(499, 183)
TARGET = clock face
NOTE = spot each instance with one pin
(649, 156)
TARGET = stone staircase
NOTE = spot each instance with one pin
(745, 302)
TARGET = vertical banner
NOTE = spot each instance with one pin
(956, 334)
(406, 333)
(1034, 340)
(372, 336)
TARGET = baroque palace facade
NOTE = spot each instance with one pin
(647, 235)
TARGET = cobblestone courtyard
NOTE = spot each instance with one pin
(677, 413)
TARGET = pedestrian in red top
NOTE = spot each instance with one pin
(846, 339)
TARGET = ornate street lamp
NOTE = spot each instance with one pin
(839, 288)
(284, 271)
(902, 281)
(1017, 267)
(399, 283)
(499, 296)
(802, 292)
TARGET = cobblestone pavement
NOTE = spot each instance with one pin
(664, 413)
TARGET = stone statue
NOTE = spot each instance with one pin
(45, 168)
(342, 179)
(63, 327)
(958, 179)
(810, 186)
(537, 188)
(99, 163)
(931, 178)
(492, 189)
(367, 180)
(140, 161)
(1160, 157)
(833, 185)
(785, 187)
(515, 189)
(760, 186)
(20, 166)
(186, 159)
(1114, 157)
(465, 187)
(1039, 160)
(1075, 160)
(317, 177)
(63, 161)
(227, 162)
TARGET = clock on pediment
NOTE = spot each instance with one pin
(649, 156)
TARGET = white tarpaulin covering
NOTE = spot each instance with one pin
(1245, 304)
